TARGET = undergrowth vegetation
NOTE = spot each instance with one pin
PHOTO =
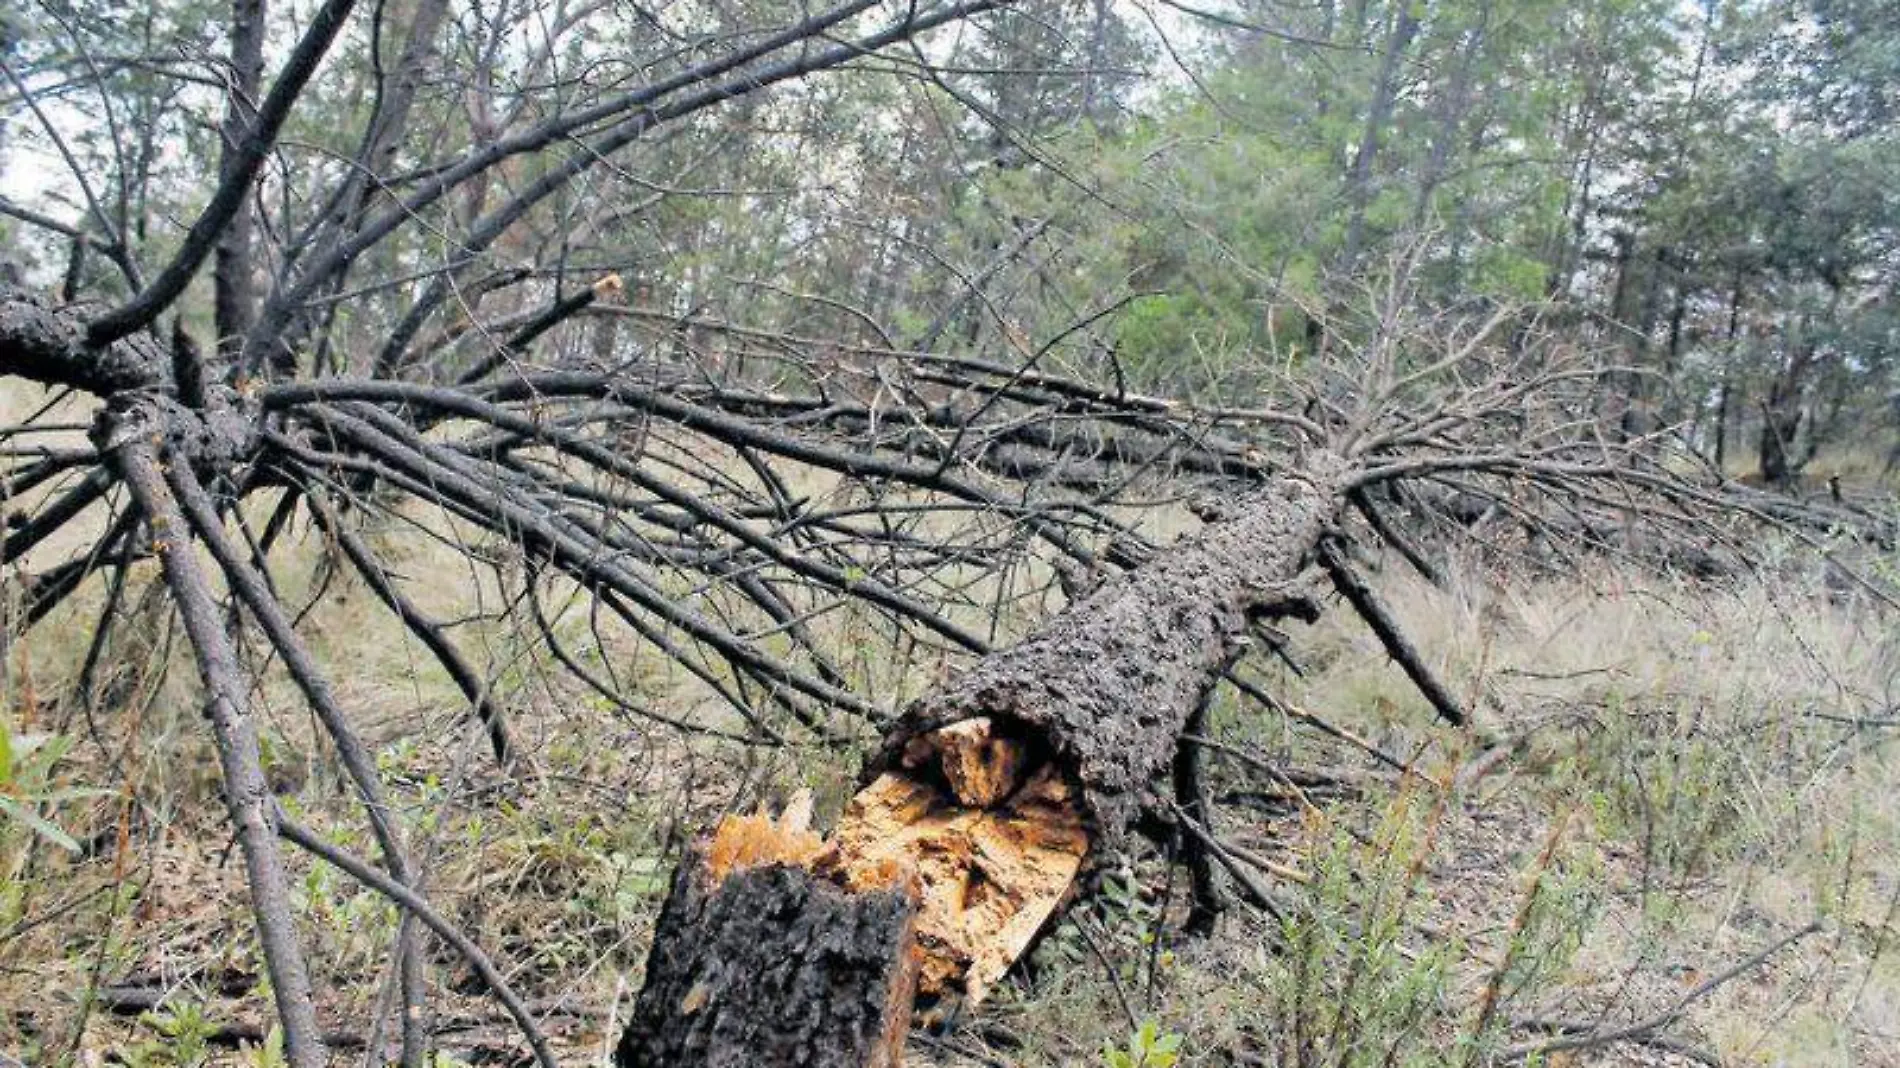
(1666, 780)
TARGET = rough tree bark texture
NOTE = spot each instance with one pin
(1110, 681)
(978, 811)
(835, 969)
(43, 342)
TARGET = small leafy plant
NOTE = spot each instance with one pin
(1148, 1047)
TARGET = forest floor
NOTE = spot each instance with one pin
(1678, 807)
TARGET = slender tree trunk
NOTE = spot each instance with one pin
(1384, 97)
(1454, 105)
(1724, 405)
(1781, 416)
(1722, 408)
(1672, 352)
(1617, 387)
(234, 296)
(399, 95)
(1639, 406)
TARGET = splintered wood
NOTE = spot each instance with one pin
(980, 766)
(987, 845)
(740, 843)
(987, 878)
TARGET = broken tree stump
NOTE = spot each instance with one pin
(775, 965)
(977, 814)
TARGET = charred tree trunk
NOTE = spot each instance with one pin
(1724, 403)
(1109, 683)
(1779, 425)
(980, 809)
(1781, 416)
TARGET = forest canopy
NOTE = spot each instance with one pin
(1701, 185)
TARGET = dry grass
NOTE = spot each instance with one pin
(1668, 784)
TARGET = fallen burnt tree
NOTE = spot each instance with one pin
(981, 806)
(667, 487)
(987, 800)
(985, 803)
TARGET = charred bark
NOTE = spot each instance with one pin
(774, 965)
(46, 343)
(1109, 683)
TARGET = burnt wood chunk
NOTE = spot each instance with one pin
(774, 966)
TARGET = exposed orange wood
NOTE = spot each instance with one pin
(981, 766)
(987, 845)
(994, 850)
(742, 842)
